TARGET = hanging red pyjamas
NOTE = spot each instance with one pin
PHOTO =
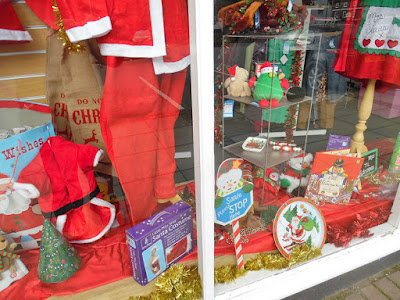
(370, 44)
(11, 30)
(147, 54)
(142, 97)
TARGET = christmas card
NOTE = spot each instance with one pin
(333, 178)
(394, 166)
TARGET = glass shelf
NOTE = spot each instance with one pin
(249, 100)
(267, 158)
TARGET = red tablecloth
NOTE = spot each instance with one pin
(107, 260)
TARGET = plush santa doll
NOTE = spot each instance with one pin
(11, 30)
(147, 52)
(297, 172)
(69, 195)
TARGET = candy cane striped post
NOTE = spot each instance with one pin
(238, 243)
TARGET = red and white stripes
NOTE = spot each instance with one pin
(238, 244)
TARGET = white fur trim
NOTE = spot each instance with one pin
(14, 35)
(91, 29)
(99, 156)
(189, 243)
(31, 231)
(161, 67)
(266, 70)
(26, 190)
(157, 49)
(60, 222)
(100, 202)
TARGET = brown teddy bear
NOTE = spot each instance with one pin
(7, 256)
(237, 85)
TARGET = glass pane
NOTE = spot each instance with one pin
(96, 147)
(295, 85)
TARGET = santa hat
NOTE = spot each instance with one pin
(232, 71)
(229, 164)
(266, 67)
(11, 29)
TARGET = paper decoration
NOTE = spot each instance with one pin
(58, 260)
(394, 166)
(233, 200)
(297, 222)
(370, 164)
(338, 142)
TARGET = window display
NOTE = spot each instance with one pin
(129, 169)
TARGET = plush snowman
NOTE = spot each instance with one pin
(297, 172)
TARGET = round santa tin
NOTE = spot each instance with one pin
(298, 221)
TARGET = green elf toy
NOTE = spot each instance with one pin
(268, 88)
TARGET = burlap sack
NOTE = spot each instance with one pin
(74, 87)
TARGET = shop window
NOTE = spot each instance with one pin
(129, 159)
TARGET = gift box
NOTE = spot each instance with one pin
(385, 105)
(160, 241)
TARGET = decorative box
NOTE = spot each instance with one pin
(254, 144)
(160, 241)
(385, 105)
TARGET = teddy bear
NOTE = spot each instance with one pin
(297, 172)
(7, 256)
(237, 85)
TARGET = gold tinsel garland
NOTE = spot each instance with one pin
(62, 35)
(382, 177)
(182, 282)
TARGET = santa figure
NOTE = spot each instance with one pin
(297, 172)
(69, 195)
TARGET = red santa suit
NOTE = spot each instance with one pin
(11, 30)
(147, 53)
(63, 174)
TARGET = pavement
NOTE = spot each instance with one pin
(379, 280)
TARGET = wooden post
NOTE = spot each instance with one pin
(357, 142)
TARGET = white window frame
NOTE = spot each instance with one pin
(257, 284)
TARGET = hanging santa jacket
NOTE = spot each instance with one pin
(138, 29)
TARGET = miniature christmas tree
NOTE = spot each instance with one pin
(58, 260)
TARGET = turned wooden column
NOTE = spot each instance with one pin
(357, 141)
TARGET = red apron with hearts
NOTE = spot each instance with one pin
(370, 44)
